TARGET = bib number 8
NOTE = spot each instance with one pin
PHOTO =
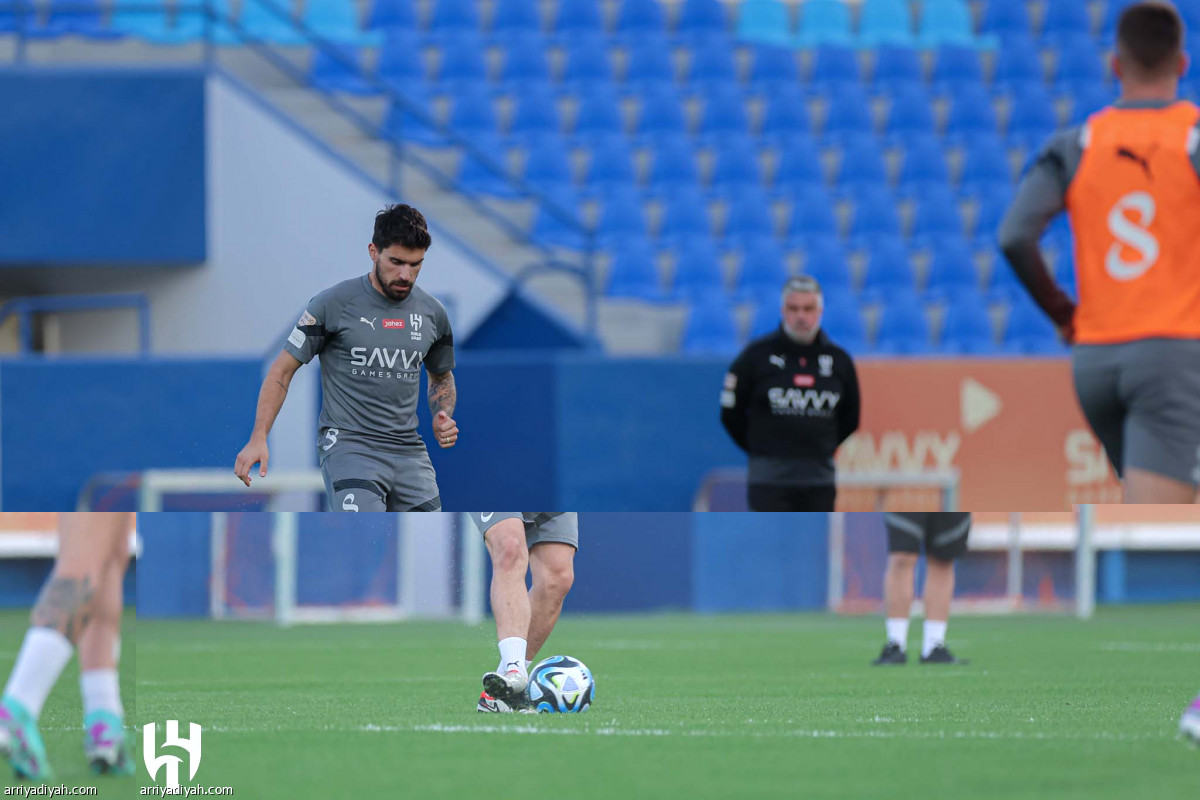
(1131, 234)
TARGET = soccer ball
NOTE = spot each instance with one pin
(561, 684)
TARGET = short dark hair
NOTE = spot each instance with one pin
(1150, 34)
(402, 225)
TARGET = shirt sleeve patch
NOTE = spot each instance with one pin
(296, 338)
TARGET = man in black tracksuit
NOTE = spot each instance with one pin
(789, 400)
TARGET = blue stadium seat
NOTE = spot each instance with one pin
(551, 230)
(764, 21)
(576, 16)
(479, 178)
(952, 273)
(673, 165)
(903, 326)
(649, 66)
(910, 115)
(72, 18)
(536, 113)
(993, 205)
(861, 163)
(468, 64)
(1018, 63)
(1078, 64)
(1033, 117)
(956, 65)
(1089, 100)
(842, 320)
(588, 62)
(685, 216)
(515, 17)
(773, 68)
(1006, 19)
(337, 21)
(824, 22)
(799, 166)
(640, 16)
(401, 124)
(735, 165)
(875, 215)
(889, 269)
(985, 163)
(472, 112)
(971, 113)
(338, 69)
(945, 22)
(622, 217)
(848, 115)
(698, 272)
(610, 165)
(452, 17)
(967, 328)
(712, 61)
(264, 23)
(393, 15)
(1065, 18)
(547, 167)
(1002, 283)
(767, 317)
(748, 216)
(1112, 12)
(524, 60)
(399, 64)
(936, 215)
(1029, 331)
(724, 114)
(701, 16)
(811, 215)
(710, 329)
(633, 273)
(924, 165)
(895, 67)
(785, 117)
(661, 114)
(598, 114)
(885, 22)
(833, 67)
(1057, 236)
(134, 18)
(1064, 272)
(763, 269)
(825, 259)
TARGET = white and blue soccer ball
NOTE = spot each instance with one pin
(561, 684)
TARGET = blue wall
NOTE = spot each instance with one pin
(101, 167)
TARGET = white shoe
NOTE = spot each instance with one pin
(509, 687)
(1189, 724)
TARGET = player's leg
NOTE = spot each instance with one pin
(552, 566)
(105, 744)
(1097, 372)
(905, 532)
(59, 618)
(946, 540)
(510, 606)
(414, 482)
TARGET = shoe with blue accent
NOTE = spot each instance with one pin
(105, 744)
(22, 744)
(1189, 724)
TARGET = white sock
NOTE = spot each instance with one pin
(897, 631)
(512, 652)
(101, 692)
(528, 664)
(42, 659)
(935, 635)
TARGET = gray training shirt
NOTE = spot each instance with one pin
(371, 353)
(1040, 197)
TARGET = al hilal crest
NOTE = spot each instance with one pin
(825, 365)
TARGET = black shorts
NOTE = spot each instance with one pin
(769, 497)
(943, 534)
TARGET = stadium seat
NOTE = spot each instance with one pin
(712, 62)
(773, 69)
(910, 115)
(885, 22)
(549, 229)
(400, 124)
(952, 270)
(993, 204)
(338, 69)
(536, 113)
(824, 22)
(649, 67)
(936, 215)
(588, 62)
(660, 114)
(1006, 20)
(971, 113)
(985, 163)
(848, 115)
(1112, 12)
(640, 16)
(967, 327)
(825, 260)
(861, 163)
(924, 165)
(842, 320)
(903, 326)
(577, 16)
(724, 114)
(472, 112)
(524, 60)
(1066, 18)
(685, 216)
(945, 22)
(956, 65)
(698, 271)
(762, 270)
(135, 18)
(812, 214)
(263, 23)
(673, 165)
(701, 16)
(736, 165)
(710, 329)
(515, 17)
(598, 114)
(547, 166)
(833, 67)
(799, 166)
(894, 68)
(767, 317)
(393, 15)
(1018, 63)
(888, 269)
(633, 273)
(71, 18)
(337, 21)
(468, 66)
(452, 17)
(477, 177)
(1089, 100)
(610, 165)
(765, 22)
(1078, 64)
(622, 217)
(1033, 117)
(785, 118)
(748, 216)
(1002, 283)
(1029, 331)
(1057, 236)
(874, 216)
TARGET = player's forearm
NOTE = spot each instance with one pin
(443, 395)
(270, 400)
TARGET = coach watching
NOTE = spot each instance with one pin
(789, 400)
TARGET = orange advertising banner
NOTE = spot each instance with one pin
(1013, 429)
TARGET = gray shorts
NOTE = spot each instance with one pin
(540, 526)
(1142, 400)
(361, 475)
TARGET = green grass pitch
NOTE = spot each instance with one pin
(690, 707)
(61, 722)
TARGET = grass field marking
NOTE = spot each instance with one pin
(1150, 647)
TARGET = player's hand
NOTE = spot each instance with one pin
(445, 430)
(255, 452)
(1067, 332)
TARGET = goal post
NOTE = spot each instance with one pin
(292, 488)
